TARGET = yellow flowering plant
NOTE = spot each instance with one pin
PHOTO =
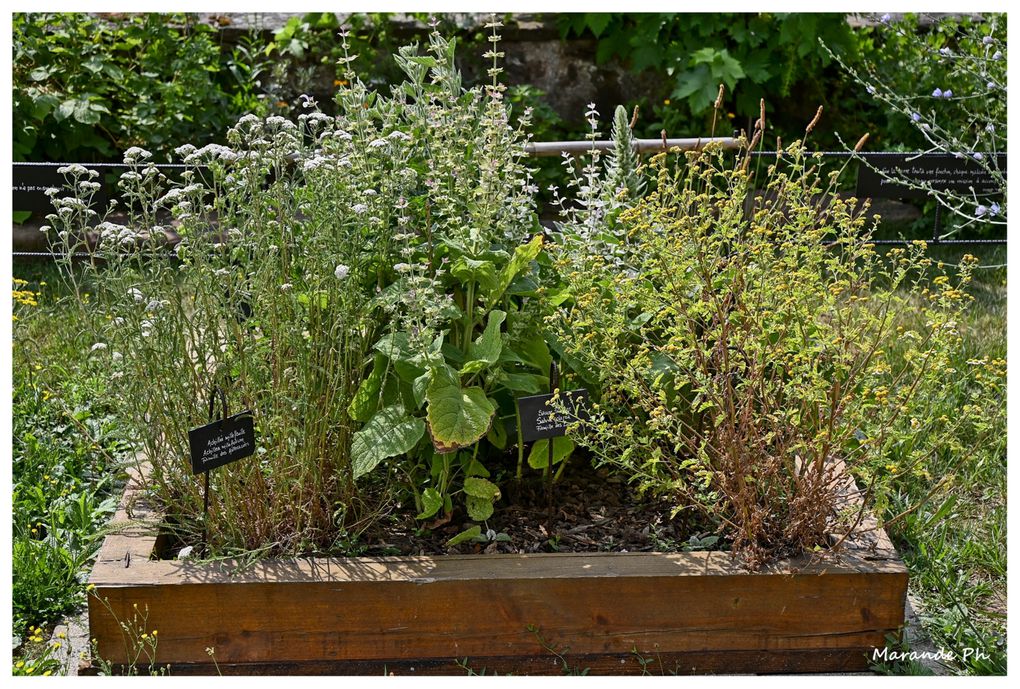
(745, 343)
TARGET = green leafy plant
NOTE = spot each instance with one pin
(742, 342)
(66, 455)
(85, 87)
(362, 283)
(757, 55)
(463, 342)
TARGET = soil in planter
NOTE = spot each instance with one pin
(590, 511)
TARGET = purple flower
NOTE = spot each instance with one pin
(980, 210)
(990, 85)
(885, 18)
(947, 94)
(978, 156)
(937, 93)
(915, 116)
(998, 55)
(870, 89)
(988, 40)
(995, 209)
(990, 128)
(945, 52)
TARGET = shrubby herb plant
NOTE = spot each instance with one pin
(745, 343)
(360, 282)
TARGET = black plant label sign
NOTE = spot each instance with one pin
(543, 418)
(222, 442)
(940, 171)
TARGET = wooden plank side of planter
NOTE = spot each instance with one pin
(700, 609)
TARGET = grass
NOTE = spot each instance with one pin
(955, 544)
(66, 454)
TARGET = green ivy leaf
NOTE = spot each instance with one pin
(598, 21)
(536, 352)
(497, 435)
(528, 383)
(389, 433)
(419, 388)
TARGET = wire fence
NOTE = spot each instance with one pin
(542, 149)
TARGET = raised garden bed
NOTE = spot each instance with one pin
(609, 613)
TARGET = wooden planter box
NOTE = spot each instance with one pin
(604, 612)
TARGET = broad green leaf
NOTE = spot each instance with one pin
(485, 350)
(419, 387)
(598, 21)
(523, 255)
(367, 396)
(479, 509)
(475, 468)
(319, 299)
(573, 363)
(65, 110)
(481, 488)
(396, 346)
(389, 433)
(497, 435)
(457, 416)
(539, 457)
(431, 502)
(466, 535)
(470, 270)
(405, 361)
(536, 352)
(528, 383)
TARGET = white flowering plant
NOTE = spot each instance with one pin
(944, 76)
(363, 283)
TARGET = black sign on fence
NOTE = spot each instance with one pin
(222, 442)
(880, 177)
(30, 182)
(542, 418)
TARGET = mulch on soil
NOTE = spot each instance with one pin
(589, 511)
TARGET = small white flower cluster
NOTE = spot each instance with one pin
(211, 153)
(135, 155)
(77, 170)
(315, 162)
(113, 233)
(279, 123)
